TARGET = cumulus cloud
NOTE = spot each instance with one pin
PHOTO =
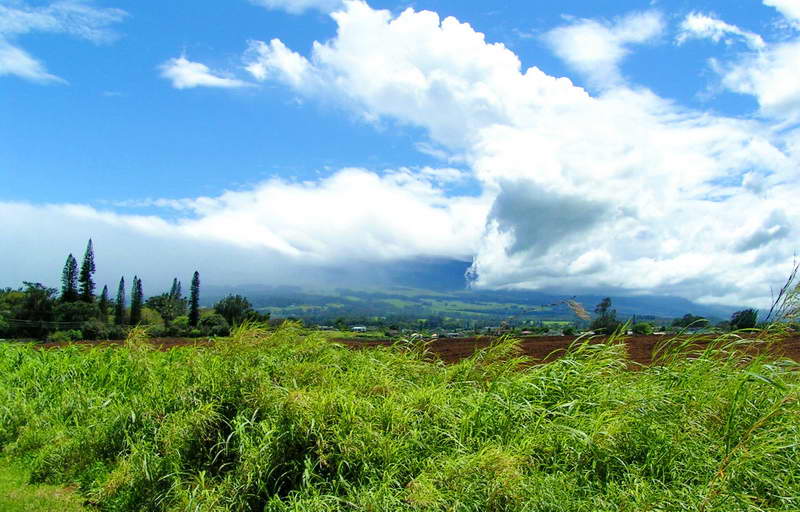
(702, 26)
(577, 180)
(596, 49)
(185, 74)
(299, 6)
(71, 17)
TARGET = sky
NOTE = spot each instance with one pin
(646, 147)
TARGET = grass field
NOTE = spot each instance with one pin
(282, 421)
(16, 495)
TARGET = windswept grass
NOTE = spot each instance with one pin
(287, 422)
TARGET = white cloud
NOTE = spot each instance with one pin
(15, 61)
(185, 74)
(264, 60)
(354, 217)
(768, 72)
(770, 76)
(790, 9)
(574, 184)
(596, 49)
(299, 6)
(702, 26)
(72, 17)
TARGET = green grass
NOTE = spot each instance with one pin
(16, 495)
(284, 421)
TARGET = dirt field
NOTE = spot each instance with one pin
(541, 349)
(547, 348)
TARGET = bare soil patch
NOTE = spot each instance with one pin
(547, 348)
(541, 349)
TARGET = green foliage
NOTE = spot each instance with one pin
(69, 280)
(690, 321)
(103, 304)
(169, 305)
(234, 308)
(74, 312)
(34, 311)
(85, 279)
(194, 300)
(606, 321)
(745, 319)
(214, 325)
(65, 336)
(283, 421)
(642, 329)
(16, 495)
(568, 330)
(95, 330)
(119, 304)
(137, 296)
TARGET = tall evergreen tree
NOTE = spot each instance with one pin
(194, 300)
(87, 269)
(136, 301)
(119, 307)
(102, 304)
(69, 280)
(175, 291)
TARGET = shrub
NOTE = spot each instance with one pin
(95, 330)
(117, 332)
(642, 329)
(214, 325)
(745, 319)
(568, 330)
(157, 331)
(65, 336)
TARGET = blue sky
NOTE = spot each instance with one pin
(650, 146)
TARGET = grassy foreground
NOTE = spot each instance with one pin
(282, 421)
(17, 496)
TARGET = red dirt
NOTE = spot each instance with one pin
(546, 348)
(540, 349)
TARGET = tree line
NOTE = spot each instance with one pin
(76, 312)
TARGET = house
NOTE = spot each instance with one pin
(358, 328)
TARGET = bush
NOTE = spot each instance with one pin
(95, 330)
(195, 333)
(568, 330)
(642, 329)
(117, 332)
(605, 325)
(181, 323)
(65, 336)
(157, 331)
(214, 325)
(745, 319)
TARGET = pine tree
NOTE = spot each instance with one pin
(87, 269)
(102, 304)
(175, 291)
(136, 301)
(194, 300)
(69, 280)
(119, 307)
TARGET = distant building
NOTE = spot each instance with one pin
(358, 328)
